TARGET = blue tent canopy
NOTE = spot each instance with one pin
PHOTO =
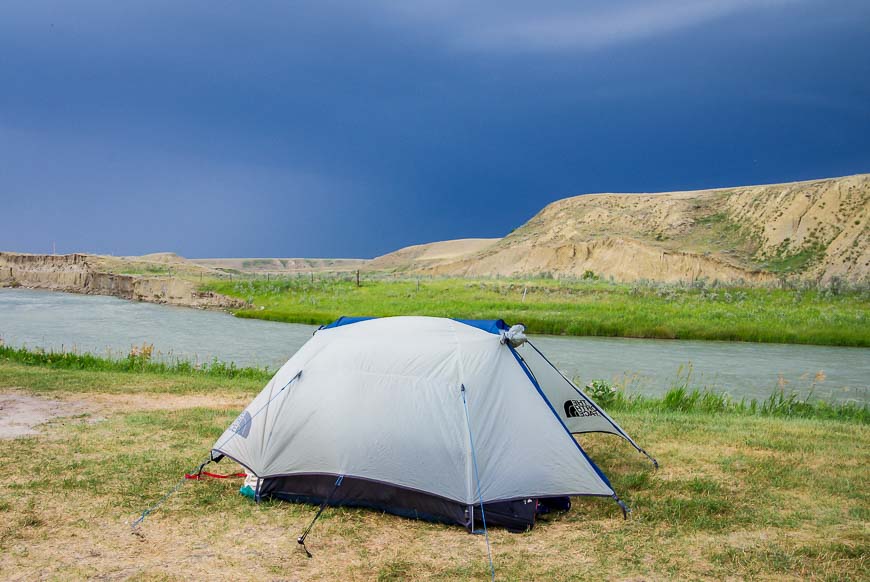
(490, 325)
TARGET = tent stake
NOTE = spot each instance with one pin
(625, 509)
(301, 539)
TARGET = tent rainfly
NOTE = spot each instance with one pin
(422, 417)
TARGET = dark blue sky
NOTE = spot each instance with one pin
(220, 128)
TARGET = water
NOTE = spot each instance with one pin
(111, 326)
(741, 369)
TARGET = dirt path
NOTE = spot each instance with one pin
(21, 414)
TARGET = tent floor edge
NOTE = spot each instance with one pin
(514, 515)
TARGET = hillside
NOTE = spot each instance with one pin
(430, 255)
(814, 230)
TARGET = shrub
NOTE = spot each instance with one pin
(602, 392)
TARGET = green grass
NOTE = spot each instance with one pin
(779, 403)
(589, 308)
(684, 396)
(737, 496)
(134, 362)
(66, 372)
(785, 263)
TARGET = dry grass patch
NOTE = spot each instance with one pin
(736, 496)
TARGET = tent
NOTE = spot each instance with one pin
(423, 417)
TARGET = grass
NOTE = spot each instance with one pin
(779, 403)
(578, 307)
(138, 360)
(682, 396)
(783, 262)
(73, 373)
(737, 495)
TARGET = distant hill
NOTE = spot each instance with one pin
(279, 266)
(814, 230)
(430, 255)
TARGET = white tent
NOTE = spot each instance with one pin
(421, 416)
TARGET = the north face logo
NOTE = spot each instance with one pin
(576, 408)
(242, 425)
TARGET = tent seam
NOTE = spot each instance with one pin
(461, 373)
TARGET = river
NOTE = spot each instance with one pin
(110, 326)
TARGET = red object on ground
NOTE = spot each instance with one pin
(212, 475)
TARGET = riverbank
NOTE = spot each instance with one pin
(831, 316)
(745, 496)
(136, 280)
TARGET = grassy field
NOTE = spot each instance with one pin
(596, 308)
(738, 495)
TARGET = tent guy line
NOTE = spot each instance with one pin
(187, 476)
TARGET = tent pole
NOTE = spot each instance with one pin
(477, 478)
